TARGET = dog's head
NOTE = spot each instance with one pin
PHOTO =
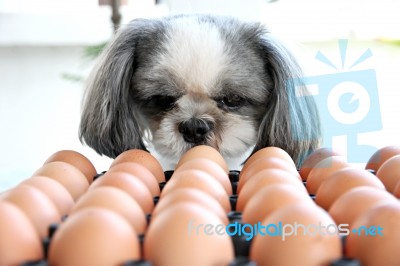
(188, 80)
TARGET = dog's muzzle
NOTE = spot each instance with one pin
(195, 130)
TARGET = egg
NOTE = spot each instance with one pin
(56, 192)
(190, 195)
(199, 180)
(36, 205)
(274, 152)
(94, 236)
(130, 184)
(143, 158)
(188, 234)
(67, 175)
(300, 241)
(211, 168)
(269, 199)
(203, 151)
(115, 200)
(262, 164)
(76, 159)
(375, 236)
(389, 173)
(380, 156)
(19, 241)
(396, 191)
(265, 178)
(353, 203)
(314, 158)
(140, 172)
(341, 181)
(322, 170)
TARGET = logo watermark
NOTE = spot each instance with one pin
(348, 102)
(280, 230)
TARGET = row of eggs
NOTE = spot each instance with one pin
(106, 215)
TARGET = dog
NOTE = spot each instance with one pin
(172, 83)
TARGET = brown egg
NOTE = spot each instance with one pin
(140, 172)
(341, 181)
(56, 192)
(68, 175)
(389, 173)
(130, 184)
(205, 152)
(353, 203)
(94, 236)
(396, 191)
(266, 178)
(36, 205)
(269, 199)
(262, 164)
(76, 159)
(190, 195)
(380, 156)
(211, 168)
(143, 158)
(314, 158)
(375, 236)
(19, 241)
(275, 152)
(115, 200)
(199, 180)
(323, 169)
(300, 242)
(187, 234)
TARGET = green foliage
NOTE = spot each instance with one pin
(93, 51)
(391, 41)
(90, 54)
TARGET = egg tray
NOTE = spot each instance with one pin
(241, 245)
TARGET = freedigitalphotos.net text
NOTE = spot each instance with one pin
(279, 229)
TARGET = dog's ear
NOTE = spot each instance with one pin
(108, 121)
(291, 121)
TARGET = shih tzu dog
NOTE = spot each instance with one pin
(170, 84)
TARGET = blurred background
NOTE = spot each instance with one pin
(48, 47)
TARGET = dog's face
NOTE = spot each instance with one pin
(201, 86)
(192, 80)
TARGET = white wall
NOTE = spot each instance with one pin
(39, 110)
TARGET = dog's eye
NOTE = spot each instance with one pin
(163, 102)
(231, 102)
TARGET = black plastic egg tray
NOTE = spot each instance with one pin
(241, 245)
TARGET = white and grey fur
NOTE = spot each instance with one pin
(169, 84)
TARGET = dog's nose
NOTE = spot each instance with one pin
(194, 130)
